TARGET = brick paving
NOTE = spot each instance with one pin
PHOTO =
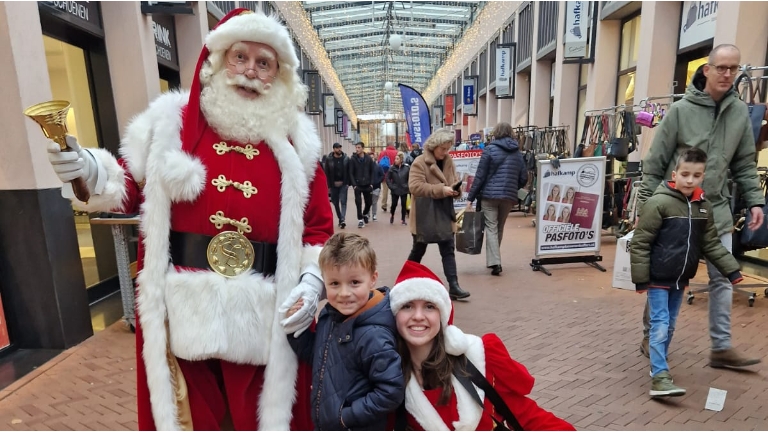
(576, 334)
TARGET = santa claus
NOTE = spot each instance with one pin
(234, 211)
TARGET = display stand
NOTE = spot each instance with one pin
(569, 213)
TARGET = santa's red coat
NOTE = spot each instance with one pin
(225, 332)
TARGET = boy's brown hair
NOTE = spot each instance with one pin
(347, 249)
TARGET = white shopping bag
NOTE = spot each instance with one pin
(622, 273)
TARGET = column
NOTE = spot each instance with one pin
(190, 38)
(744, 24)
(566, 87)
(132, 64)
(656, 59)
(522, 100)
(541, 72)
(43, 288)
(492, 108)
(481, 119)
(601, 87)
(504, 113)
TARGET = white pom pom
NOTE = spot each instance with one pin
(456, 342)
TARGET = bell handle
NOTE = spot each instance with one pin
(80, 188)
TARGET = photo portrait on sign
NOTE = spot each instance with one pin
(565, 214)
(555, 193)
(551, 213)
(570, 193)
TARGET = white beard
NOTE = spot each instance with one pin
(269, 116)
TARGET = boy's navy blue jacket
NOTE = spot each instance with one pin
(357, 378)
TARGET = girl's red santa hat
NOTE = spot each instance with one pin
(239, 25)
(417, 282)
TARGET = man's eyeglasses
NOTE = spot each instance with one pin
(239, 62)
(721, 69)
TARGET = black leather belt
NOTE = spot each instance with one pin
(190, 250)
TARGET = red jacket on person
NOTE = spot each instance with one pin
(390, 152)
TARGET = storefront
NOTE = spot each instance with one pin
(75, 52)
(164, 27)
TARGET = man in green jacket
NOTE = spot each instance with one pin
(713, 118)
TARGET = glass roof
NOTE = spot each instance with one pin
(357, 36)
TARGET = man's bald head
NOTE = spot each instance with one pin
(716, 51)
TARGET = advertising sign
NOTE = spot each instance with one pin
(416, 115)
(437, 114)
(466, 162)
(575, 40)
(569, 206)
(339, 121)
(468, 98)
(83, 14)
(450, 109)
(698, 22)
(164, 28)
(312, 81)
(329, 109)
(505, 58)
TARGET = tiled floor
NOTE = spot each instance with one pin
(577, 335)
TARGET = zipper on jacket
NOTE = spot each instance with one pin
(688, 244)
(321, 375)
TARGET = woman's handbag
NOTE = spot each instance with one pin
(469, 237)
(509, 421)
(434, 219)
(751, 240)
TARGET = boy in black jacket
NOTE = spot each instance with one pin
(357, 377)
(676, 228)
(361, 176)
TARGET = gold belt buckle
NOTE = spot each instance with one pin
(230, 253)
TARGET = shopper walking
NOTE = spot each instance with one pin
(499, 175)
(433, 176)
(710, 117)
(361, 173)
(378, 185)
(390, 153)
(336, 167)
(397, 181)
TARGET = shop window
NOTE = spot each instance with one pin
(630, 43)
(67, 70)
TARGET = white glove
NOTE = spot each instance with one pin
(310, 289)
(70, 165)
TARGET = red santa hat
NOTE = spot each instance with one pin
(417, 282)
(239, 25)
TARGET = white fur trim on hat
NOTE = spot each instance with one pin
(254, 27)
(426, 289)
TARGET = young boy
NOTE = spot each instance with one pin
(357, 378)
(677, 227)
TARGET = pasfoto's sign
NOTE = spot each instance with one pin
(569, 206)
(85, 15)
(164, 29)
(698, 22)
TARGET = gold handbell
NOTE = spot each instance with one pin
(52, 118)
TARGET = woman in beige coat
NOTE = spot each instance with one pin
(433, 175)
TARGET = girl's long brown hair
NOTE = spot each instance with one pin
(437, 369)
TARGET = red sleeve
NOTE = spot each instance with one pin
(318, 219)
(132, 191)
(513, 383)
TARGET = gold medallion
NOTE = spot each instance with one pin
(230, 253)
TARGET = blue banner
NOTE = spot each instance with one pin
(416, 114)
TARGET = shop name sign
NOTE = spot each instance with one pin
(698, 22)
(575, 39)
(165, 41)
(83, 14)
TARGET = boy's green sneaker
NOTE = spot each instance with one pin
(661, 385)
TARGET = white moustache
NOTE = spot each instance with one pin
(251, 84)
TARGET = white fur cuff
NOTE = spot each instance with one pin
(112, 186)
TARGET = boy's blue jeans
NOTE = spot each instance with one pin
(664, 305)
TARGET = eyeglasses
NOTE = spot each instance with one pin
(721, 69)
(241, 69)
(239, 61)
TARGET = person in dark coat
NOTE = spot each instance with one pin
(361, 175)
(500, 173)
(397, 181)
(336, 167)
(378, 186)
(357, 377)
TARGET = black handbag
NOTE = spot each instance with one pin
(434, 219)
(469, 237)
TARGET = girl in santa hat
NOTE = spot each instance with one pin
(456, 381)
